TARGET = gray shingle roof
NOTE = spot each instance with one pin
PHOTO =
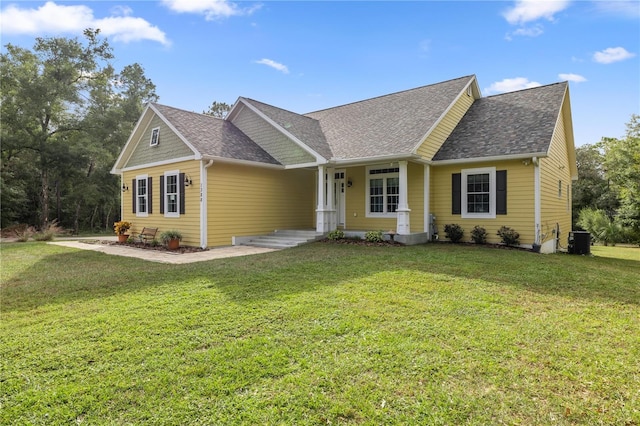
(387, 125)
(304, 128)
(513, 123)
(213, 136)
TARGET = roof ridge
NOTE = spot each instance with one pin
(277, 107)
(565, 82)
(184, 110)
(389, 94)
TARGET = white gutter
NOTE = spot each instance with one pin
(373, 160)
(488, 159)
(242, 162)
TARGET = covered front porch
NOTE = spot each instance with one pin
(392, 196)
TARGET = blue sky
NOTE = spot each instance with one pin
(304, 56)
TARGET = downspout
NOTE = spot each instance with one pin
(203, 203)
(536, 200)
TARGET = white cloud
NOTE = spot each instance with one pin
(531, 10)
(612, 54)
(211, 9)
(51, 18)
(576, 78)
(534, 31)
(511, 85)
(273, 64)
(621, 8)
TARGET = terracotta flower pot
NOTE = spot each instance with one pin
(173, 244)
(122, 238)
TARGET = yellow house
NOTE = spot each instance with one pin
(408, 162)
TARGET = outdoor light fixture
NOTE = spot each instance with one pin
(187, 181)
(349, 183)
(125, 188)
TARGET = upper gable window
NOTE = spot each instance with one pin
(155, 136)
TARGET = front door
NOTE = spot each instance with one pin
(338, 193)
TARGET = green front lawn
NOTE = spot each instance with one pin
(321, 334)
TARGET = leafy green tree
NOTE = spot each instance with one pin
(592, 189)
(218, 109)
(622, 164)
(65, 116)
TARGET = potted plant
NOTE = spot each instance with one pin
(171, 239)
(121, 227)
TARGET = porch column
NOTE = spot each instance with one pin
(403, 224)
(427, 202)
(322, 219)
(331, 200)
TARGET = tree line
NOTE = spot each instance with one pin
(606, 197)
(66, 113)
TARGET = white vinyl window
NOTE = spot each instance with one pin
(171, 194)
(155, 136)
(479, 193)
(383, 191)
(142, 196)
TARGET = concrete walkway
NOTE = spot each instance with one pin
(163, 256)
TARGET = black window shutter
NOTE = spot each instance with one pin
(456, 193)
(149, 195)
(161, 194)
(181, 183)
(501, 192)
(133, 195)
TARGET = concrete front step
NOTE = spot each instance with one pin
(282, 239)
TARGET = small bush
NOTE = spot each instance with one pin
(479, 235)
(374, 236)
(154, 243)
(43, 236)
(454, 232)
(509, 236)
(23, 232)
(50, 230)
(336, 234)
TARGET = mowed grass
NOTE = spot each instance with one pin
(321, 334)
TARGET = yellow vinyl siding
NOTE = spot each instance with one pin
(356, 201)
(520, 201)
(436, 138)
(169, 146)
(555, 168)
(188, 224)
(246, 201)
(415, 177)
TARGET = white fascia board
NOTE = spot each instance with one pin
(446, 111)
(115, 169)
(157, 163)
(489, 159)
(302, 166)
(372, 160)
(243, 162)
(319, 158)
(174, 130)
(232, 112)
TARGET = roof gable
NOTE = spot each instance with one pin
(393, 124)
(514, 123)
(214, 137)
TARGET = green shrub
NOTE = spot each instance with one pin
(336, 234)
(374, 236)
(43, 236)
(509, 236)
(601, 228)
(154, 243)
(479, 235)
(454, 232)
